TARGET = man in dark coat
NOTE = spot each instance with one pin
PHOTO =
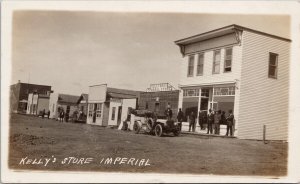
(169, 113)
(62, 115)
(217, 122)
(48, 114)
(210, 121)
(192, 119)
(223, 118)
(229, 120)
(180, 117)
(201, 119)
(43, 113)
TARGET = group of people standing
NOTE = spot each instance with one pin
(63, 116)
(213, 120)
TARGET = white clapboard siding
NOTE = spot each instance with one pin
(263, 100)
(208, 77)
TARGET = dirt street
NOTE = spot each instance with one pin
(43, 144)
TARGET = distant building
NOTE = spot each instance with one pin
(82, 104)
(59, 102)
(109, 106)
(19, 95)
(240, 69)
(157, 97)
(37, 103)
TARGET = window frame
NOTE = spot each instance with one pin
(186, 92)
(99, 110)
(214, 62)
(192, 66)
(197, 72)
(276, 65)
(224, 91)
(91, 109)
(225, 59)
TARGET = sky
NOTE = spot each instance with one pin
(72, 50)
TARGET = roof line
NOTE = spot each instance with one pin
(234, 26)
(121, 89)
(263, 33)
(204, 33)
(31, 84)
(98, 85)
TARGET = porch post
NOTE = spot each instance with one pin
(212, 98)
(199, 104)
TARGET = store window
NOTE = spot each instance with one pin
(91, 107)
(99, 110)
(228, 60)
(273, 64)
(191, 66)
(200, 64)
(216, 62)
(224, 91)
(190, 92)
(204, 92)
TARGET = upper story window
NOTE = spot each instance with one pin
(273, 64)
(200, 64)
(191, 66)
(216, 64)
(228, 60)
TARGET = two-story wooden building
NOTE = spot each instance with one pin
(242, 69)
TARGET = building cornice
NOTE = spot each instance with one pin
(223, 31)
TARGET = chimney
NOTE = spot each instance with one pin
(19, 81)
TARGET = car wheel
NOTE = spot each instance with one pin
(136, 127)
(158, 130)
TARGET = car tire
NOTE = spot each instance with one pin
(136, 127)
(158, 130)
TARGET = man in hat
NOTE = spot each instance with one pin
(169, 112)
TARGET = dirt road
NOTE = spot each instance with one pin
(34, 141)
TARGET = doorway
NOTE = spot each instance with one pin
(156, 108)
(119, 115)
(204, 104)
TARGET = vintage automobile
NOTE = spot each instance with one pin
(148, 122)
